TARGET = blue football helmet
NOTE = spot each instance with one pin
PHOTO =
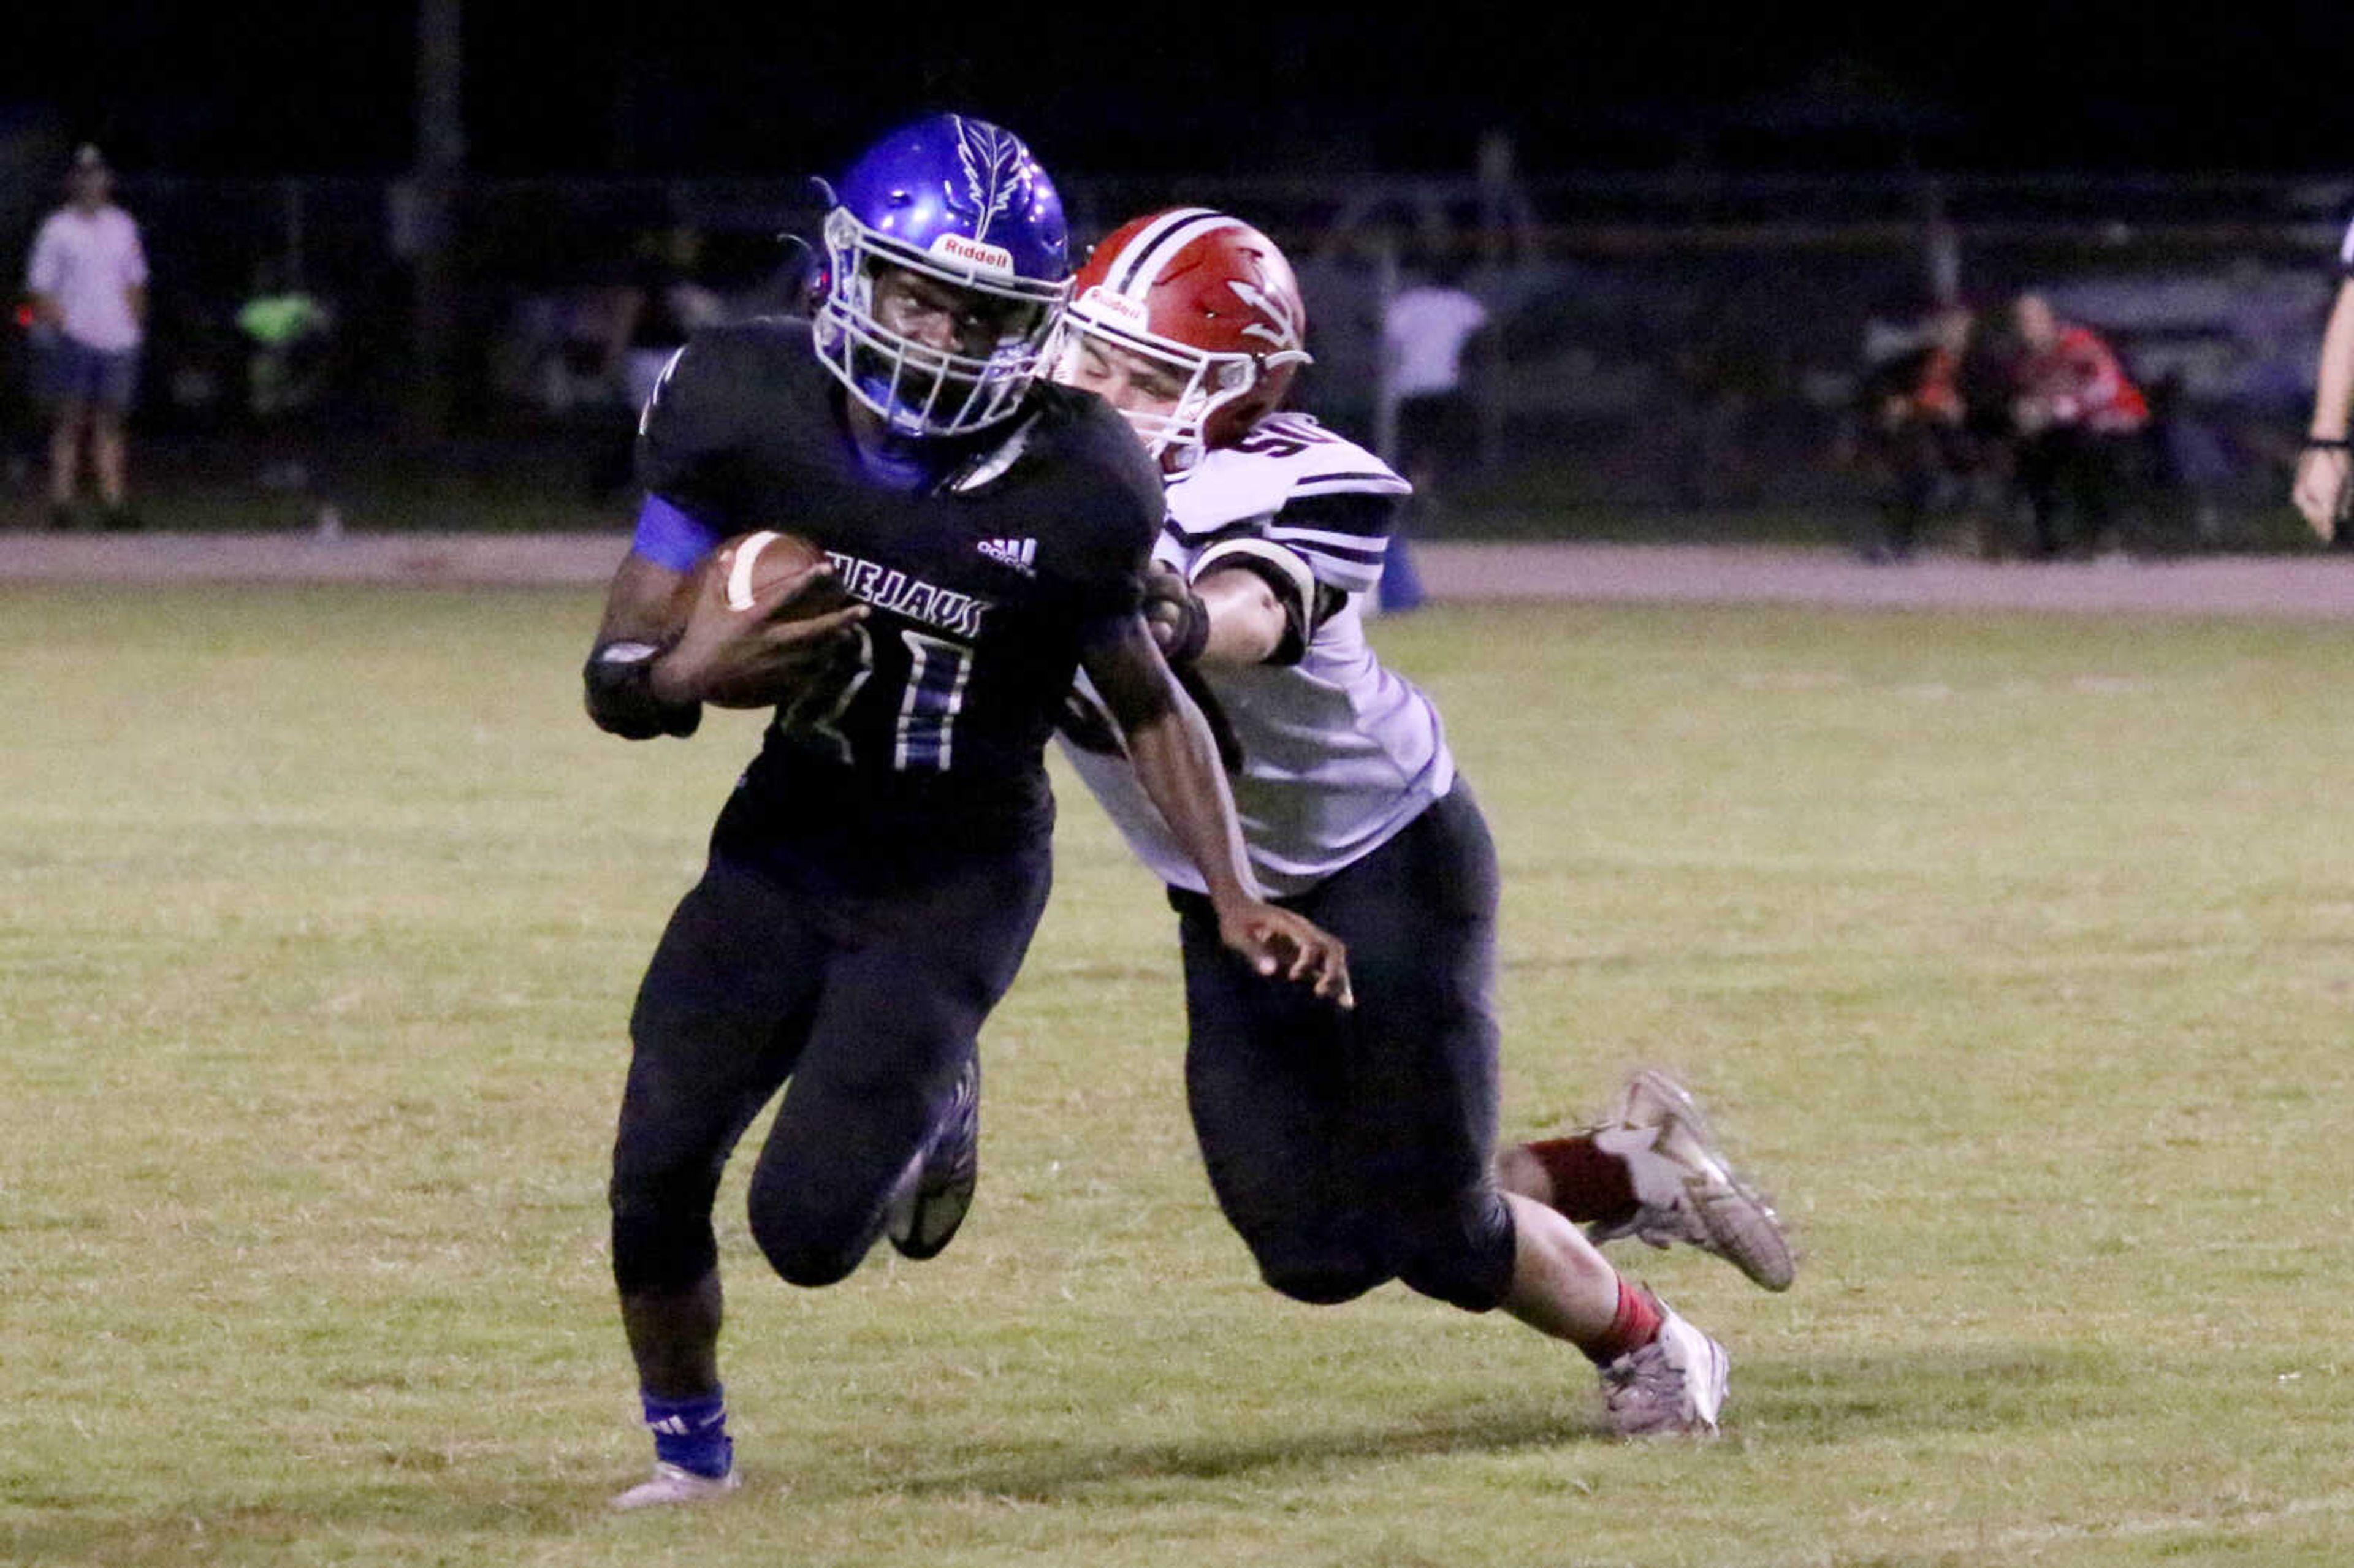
(963, 202)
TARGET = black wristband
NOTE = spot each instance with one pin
(619, 691)
(2329, 444)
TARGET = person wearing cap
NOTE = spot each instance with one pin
(88, 280)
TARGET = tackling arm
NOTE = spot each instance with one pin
(2320, 491)
(1247, 622)
(1177, 762)
(1250, 602)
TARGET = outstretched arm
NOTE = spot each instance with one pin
(1176, 761)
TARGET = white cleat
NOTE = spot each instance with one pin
(672, 1485)
(1672, 1386)
(1688, 1192)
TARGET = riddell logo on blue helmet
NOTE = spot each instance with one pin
(975, 253)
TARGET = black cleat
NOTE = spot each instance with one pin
(936, 1189)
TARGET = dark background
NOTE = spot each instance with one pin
(1710, 218)
(307, 87)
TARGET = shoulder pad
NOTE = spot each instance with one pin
(1285, 458)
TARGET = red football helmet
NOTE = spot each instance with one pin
(1207, 296)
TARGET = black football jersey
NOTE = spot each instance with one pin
(985, 578)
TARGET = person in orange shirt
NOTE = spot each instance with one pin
(2080, 419)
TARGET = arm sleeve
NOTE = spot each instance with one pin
(669, 536)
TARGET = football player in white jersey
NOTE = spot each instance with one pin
(2321, 491)
(1351, 1150)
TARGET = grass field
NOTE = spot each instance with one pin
(2016, 954)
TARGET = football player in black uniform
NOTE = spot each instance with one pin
(876, 877)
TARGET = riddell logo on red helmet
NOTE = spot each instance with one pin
(974, 253)
(1102, 303)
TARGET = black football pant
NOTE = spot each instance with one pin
(866, 992)
(1351, 1148)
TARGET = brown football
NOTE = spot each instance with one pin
(751, 565)
(753, 569)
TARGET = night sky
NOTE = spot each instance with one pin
(306, 87)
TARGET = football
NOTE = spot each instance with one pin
(745, 574)
(750, 565)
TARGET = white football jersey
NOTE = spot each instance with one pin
(1339, 753)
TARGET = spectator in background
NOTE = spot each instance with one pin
(288, 332)
(658, 306)
(88, 280)
(2321, 491)
(661, 307)
(1424, 327)
(1913, 417)
(2080, 419)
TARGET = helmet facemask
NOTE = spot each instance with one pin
(920, 390)
(1214, 382)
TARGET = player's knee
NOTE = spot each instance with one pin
(1463, 1257)
(658, 1250)
(662, 1222)
(809, 1251)
(1320, 1276)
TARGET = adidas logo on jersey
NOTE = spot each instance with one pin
(1022, 555)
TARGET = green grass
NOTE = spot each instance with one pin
(2015, 953)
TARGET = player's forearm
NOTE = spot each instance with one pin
(2334, 390)
(644, 603)
(627, 694)
(1246, 623)
(1176, 761)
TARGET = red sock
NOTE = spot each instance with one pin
(1587, 1184)
(1633, 1326)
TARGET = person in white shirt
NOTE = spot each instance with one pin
(88, 280)
(2321, 491)
(1425, 329)
(1348, 1150)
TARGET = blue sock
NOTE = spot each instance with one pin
(691, 1432)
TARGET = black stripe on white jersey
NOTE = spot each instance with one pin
(1369, 554)
(1383, 483)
